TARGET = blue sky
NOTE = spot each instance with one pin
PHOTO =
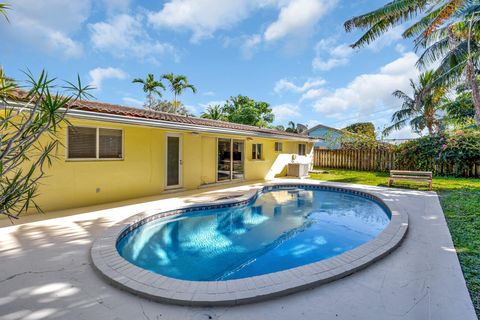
(292, 54)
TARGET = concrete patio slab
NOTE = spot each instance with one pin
(46, 273)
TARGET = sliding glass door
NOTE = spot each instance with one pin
(224, 159)
(230, 159)
(237, 159)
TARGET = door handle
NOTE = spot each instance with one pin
(180, 162)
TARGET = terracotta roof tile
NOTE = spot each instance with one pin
(108, 108)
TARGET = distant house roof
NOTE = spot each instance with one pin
(130, 112)
(323, 126)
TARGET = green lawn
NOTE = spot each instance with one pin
(460, 199)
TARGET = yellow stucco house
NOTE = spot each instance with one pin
(111, 153)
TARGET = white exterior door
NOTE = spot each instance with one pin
(173, 161)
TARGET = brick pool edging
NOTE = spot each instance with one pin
(121, 273)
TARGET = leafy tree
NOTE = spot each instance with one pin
(366, 129)
(420, 111)
(447, 30)
(23, 156)
(178, 83)
(242, 109)
(150, 87)
(459, 110)
(278, 128)
(167, 106)
(213, 113)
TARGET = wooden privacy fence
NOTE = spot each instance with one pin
(378, 160)
(366, 160)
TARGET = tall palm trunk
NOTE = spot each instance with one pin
(471, 76)
(472, 83)
(149, 100)
(430, 127)
(175, 103)
(430, 121)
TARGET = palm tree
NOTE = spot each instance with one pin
(177, 85)
(379, 21)
(292, 127)
(447, 30)
(421, 110)
(150, 87)
(3, 9)
(213, 113)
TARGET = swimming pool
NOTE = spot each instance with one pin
(276, 230)
(250, 243)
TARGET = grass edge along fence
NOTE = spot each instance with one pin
(380, 160)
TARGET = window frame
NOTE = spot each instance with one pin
(255, 145)
(97, 144)
(278, 144)
(304, 149)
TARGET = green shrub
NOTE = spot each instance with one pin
(454, 152)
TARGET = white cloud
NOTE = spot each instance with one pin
(201, 17)
(59, 42)
(285, 111)
(328, 55)
(313, 94)
(209, 93)
(297, 17)
(48, 24)
(204, 17)
(125, 35)
(367, 93)
(286, 85)
(97, 75)
(250, 44)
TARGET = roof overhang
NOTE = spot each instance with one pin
(155, 123)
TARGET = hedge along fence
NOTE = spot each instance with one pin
(383, 160)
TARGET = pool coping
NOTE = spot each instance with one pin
(125, 275)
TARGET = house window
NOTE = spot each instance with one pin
(302, 149)
(110, 144)
(278, 147)
(94, 143)
(257, 151)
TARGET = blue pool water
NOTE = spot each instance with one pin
(277, 230)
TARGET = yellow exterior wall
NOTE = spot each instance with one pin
(77, 183)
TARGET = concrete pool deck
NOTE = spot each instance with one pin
(46, 272)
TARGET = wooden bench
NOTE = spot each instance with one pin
(424, 176)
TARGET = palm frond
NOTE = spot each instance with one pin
(3, 10)
(372, 34)
(398, 11)
(401, 95)
(447, 10)
(433, 53)
(395, 126)
(421, 25)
